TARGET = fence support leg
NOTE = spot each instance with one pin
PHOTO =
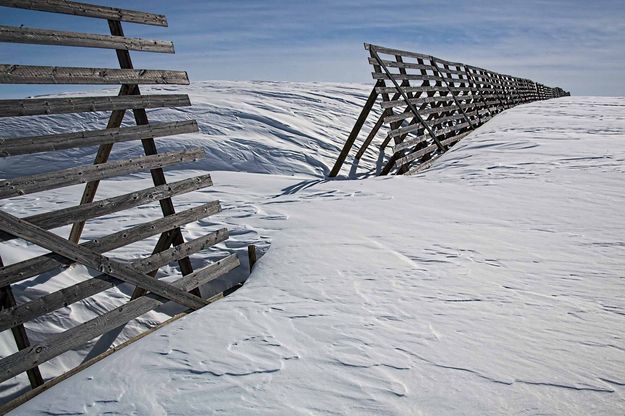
(354, 133)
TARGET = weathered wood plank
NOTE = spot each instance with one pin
(30, 74)
(419, 153)
(53, 142)
(45, 106)
(94, 260)
(78, 335)
(391, 51)
(407, 77)
(406, 65)
(89, 40)
(88, 10)
(58, 179)
(58, 218)
(25, 269)
(17, 315)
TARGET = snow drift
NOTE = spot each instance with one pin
(490, 284)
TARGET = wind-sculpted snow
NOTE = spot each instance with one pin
(261, 127)
(490, 284)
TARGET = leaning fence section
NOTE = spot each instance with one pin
(171, 247)
(429, 104)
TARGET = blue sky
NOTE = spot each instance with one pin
(579, 45)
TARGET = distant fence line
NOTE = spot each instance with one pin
(429, 104)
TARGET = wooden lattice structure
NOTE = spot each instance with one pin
(429, 104)
(171, 247)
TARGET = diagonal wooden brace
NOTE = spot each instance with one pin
(91, 259)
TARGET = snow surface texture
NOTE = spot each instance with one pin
(493, 283)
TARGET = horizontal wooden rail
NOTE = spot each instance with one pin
(61, 217)
(29, 74)
(17, 315)
(37, 354)
(87, 40)
(73, 176)
(25, 269)
(391, 51)
(88, 10)
(45, 106)
(95, 260)
(52, 142)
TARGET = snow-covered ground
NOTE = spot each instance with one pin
(493, 283)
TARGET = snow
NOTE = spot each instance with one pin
(491, 284)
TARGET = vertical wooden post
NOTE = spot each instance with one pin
(251, 255)
(7, 300)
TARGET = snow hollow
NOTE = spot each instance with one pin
(492, 283)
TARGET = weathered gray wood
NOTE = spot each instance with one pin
(52, 142)
(41, 106)
(58, 179)
(406, 77)
(7, 301)
(391, 51)
(88, 10)
(78, 335)
(17, 315)
(349, 143)
(408, 89)
(419, 153)
(16, 272)
(94, 260)
(395, 64)
(374, 131)
(30, 74)
(58, 218)
(405, 96)
(158, 176)
(422, 100)
(89, 40)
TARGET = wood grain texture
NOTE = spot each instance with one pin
(53, 142)
(66, 177)
(88, 10)
(31, 74)
(25, 269)
(46, 106)
(87, 40)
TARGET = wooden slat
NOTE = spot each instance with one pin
(78, 335)
(88, 40)
(395, 64)
(58, 218)
(58, 179)
(45, 106)
(17, 315)
(424, 100)
(408, 89)
(17, 272)
(390, 51)
(53, 142)
(88, 10)
(407, 77)
(94, 260)
(29, 74)
(422, 152)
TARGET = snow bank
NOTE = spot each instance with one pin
(491, 284)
